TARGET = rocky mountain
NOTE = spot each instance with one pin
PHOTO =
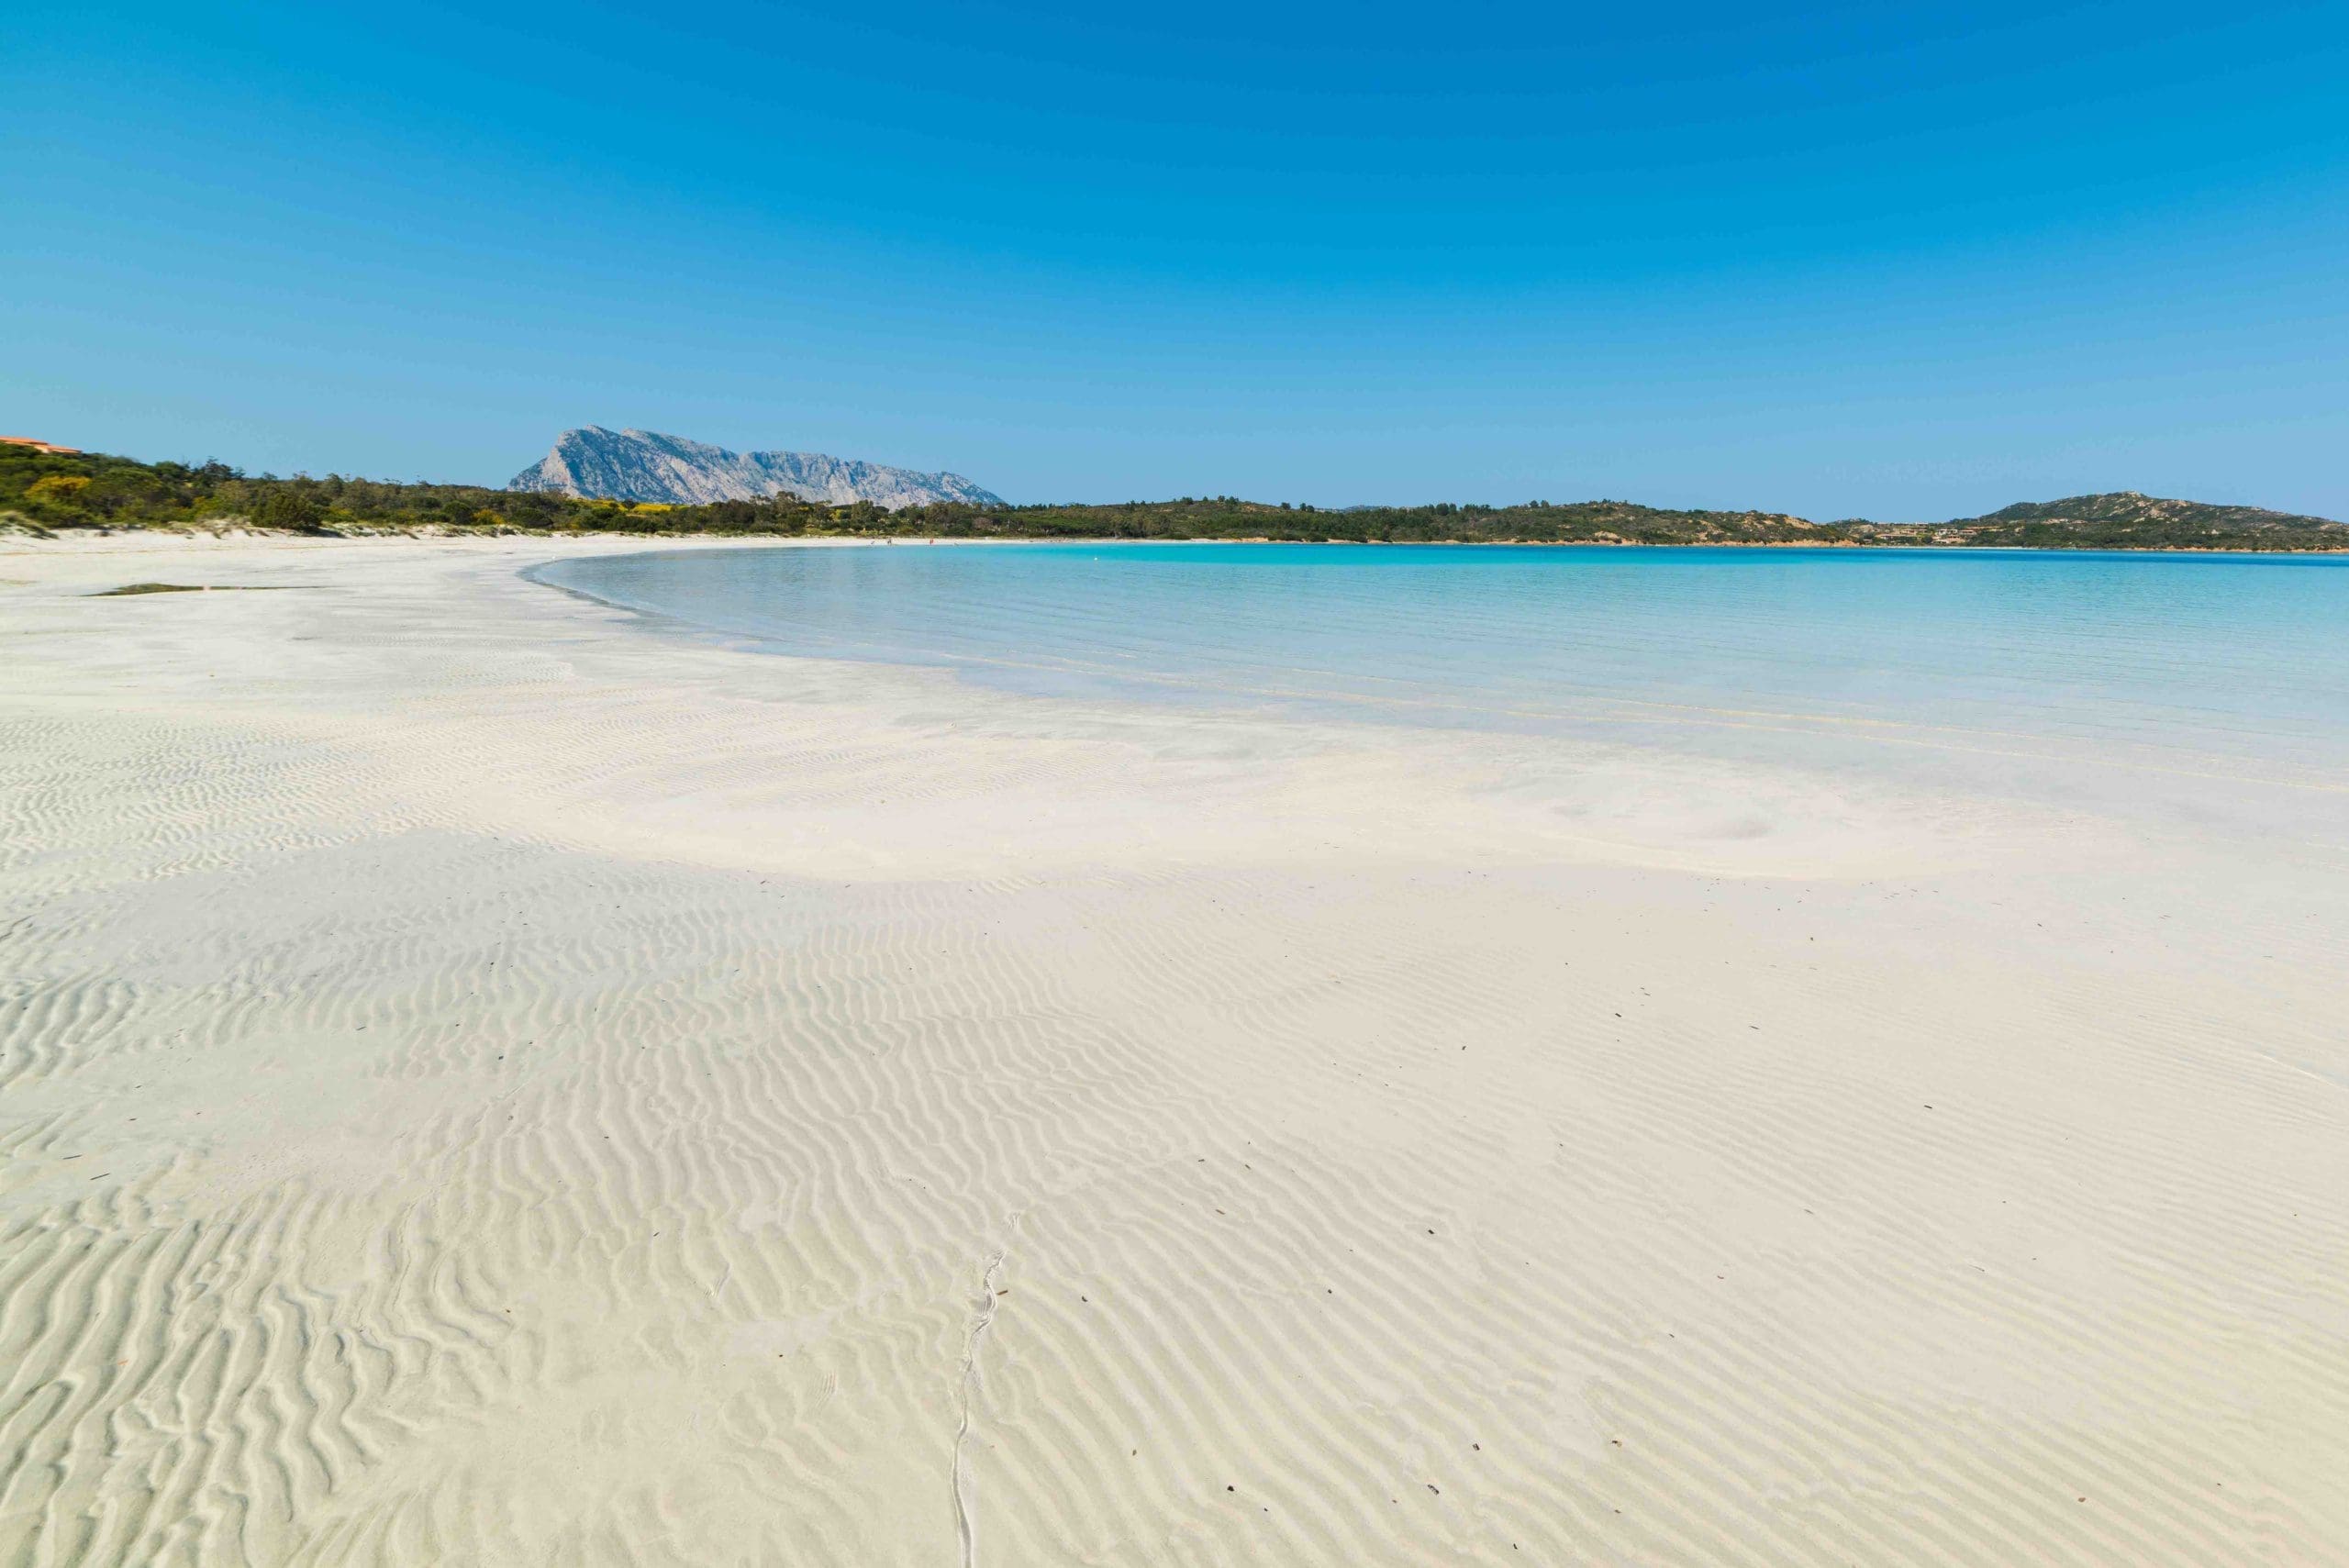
(641, 465)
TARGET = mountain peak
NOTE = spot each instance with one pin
(645, 465)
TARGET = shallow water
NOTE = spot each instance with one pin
(2222, 665)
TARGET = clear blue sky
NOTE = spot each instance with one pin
(1898, 261)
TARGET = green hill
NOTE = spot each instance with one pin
(2132, 508)
(2123, 519)
(53, 491)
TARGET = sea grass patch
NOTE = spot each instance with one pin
(128, 589)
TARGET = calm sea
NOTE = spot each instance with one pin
(2212, 665)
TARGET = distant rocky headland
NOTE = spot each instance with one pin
(596, 464)
(47, 488)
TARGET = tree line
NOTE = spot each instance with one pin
(91, 490)
(94, 490)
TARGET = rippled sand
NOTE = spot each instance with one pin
(482, 1082)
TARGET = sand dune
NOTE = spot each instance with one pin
(482, 1082)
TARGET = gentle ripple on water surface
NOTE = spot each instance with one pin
(2185, 663)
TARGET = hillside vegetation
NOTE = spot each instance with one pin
(2121, 519)
(60, 491)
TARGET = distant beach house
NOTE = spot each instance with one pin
(50, 446)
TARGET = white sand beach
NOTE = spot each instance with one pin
(482, 1082)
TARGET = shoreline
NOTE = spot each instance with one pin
(11, 541)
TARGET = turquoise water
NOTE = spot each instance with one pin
(2218, 663)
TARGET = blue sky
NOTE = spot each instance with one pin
(1834, 261)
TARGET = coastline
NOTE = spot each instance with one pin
(83, 537)
(483, 1083)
